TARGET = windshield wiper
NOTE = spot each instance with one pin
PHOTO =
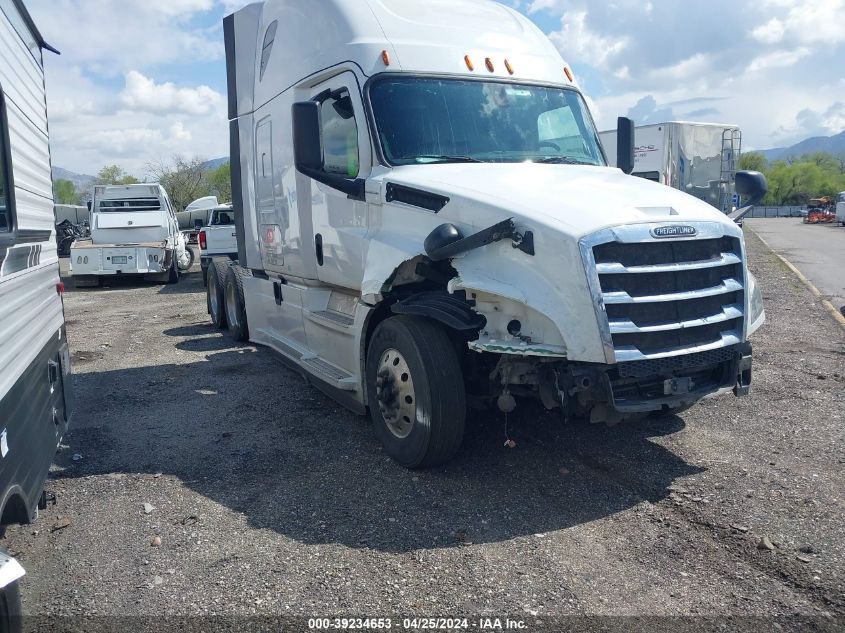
(444, 158)
(561, 159)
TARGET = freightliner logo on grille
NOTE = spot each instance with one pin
(674, 231)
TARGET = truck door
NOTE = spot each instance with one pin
(271, 225)
(340, 224)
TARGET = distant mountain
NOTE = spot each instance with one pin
(82, 181)
(834, 144)
(215, 163)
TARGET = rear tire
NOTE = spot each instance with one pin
(215, 298)
(236, 304)
(191, 258)
(415, 390)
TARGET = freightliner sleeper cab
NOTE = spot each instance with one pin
(426, 218)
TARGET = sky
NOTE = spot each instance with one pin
(141, 80)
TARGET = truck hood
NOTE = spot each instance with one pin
(575, 199)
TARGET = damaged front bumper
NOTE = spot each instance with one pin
(609, 393)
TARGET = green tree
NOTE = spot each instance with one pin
(753, 161)
(65, 192)
(183, 179)
(114, 175)
(220, 182)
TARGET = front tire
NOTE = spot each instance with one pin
(415, 390)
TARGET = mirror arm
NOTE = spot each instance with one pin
(352, 187)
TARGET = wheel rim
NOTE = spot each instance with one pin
(231, 305)
(395, 393)
(212, 297)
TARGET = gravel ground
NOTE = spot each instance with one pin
(269, 499)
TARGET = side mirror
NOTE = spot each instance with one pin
(197, 224)
(89, 206)
(307, 144)
(750, 184)
(308, 150)
(625, 144)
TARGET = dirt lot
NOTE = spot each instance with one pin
(269, 499)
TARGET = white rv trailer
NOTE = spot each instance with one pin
(698, 158)
(34, 358)
(133, 232)
(840, 208)
(415, 188)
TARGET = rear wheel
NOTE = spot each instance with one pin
(236, 304)
(415, 391)
(186, 260)
(215, 298)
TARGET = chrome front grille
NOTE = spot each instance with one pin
(664, 297)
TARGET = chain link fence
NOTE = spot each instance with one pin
(776, 212)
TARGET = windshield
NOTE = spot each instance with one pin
(427, 120)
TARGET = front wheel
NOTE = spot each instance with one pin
(415, 390)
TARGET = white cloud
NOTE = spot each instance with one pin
(769, 33)
(106, 37)
(581, 44)
(778, 59)
(142, 93)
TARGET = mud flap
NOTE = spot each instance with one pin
(743, 371)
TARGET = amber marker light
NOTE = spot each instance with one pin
(509, 67)
(469, 62)
(489, 63)
(385, 57)
(568, 73)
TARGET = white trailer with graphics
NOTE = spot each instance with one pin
(700, 159)
(34, 358)
(425, 218)
(134, 231)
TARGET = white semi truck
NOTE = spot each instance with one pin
(35, 385)
(700, 159)
(426, 218)
(133, 232)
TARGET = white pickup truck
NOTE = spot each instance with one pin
(218, 238)
(133, 232)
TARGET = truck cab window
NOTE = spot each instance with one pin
(340, 135)
(427, 120)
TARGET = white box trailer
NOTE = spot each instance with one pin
(425, 218)
(700, 159)
(134, 231)
(840, 208)
(34, 360)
